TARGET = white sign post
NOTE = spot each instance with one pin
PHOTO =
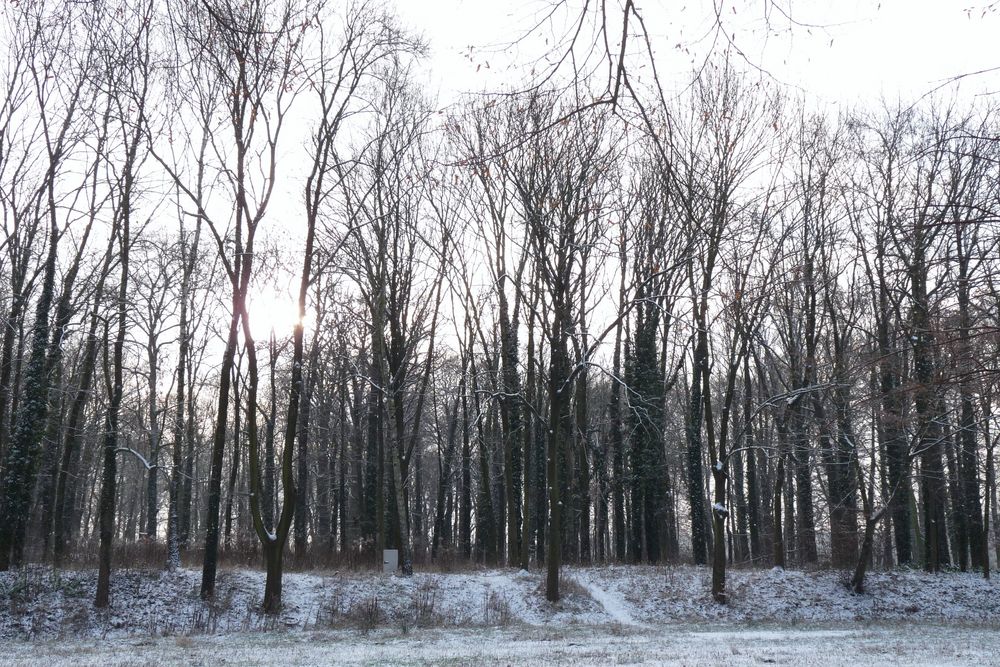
(390, 561)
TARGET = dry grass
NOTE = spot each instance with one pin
(496, 609)
(569, 586)
(425, 604)
(366, 613)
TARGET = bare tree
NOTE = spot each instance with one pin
(128, 68)
(51, 47)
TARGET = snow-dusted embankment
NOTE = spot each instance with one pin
(41, 603)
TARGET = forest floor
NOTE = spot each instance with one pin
(612, 614)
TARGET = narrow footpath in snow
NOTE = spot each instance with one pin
(613, 605)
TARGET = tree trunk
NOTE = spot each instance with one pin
(73, 439)
(528, 446)
(152, 474)
(465, 496)
(102, 597)
(557, 416)
(696, 484)
(20, 461)
(779, 539)
(210, 561)
(867, 545)
(302, 481)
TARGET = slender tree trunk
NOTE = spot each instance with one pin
(528, 542)
(152, 475)
(234, 463)
(326, 516)
(63, 507)
(779, 539)
(752, 482)
(865, 556)
(558, 419)
(301, 537)
(187, 488)
(465, 502)
(211, 558)
(968, 431)
(177, 460)
(102, 597)
(270, 472)
(511, 423)
(13, 323)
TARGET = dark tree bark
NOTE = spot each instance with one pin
(189, 258)
(133, 130)
(73, 440)
(31, 407)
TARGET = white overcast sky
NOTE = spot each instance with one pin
(858, 53)
(894, 48)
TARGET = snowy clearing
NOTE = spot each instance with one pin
(614, 614)
(576, 645)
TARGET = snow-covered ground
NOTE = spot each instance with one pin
(617, 614)
(909, 644)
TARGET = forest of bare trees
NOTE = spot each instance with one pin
(264, 302)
